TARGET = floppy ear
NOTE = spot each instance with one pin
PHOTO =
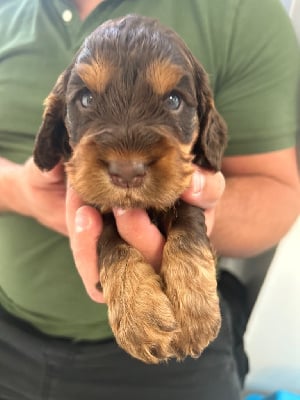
(212, 138)
(52, 142)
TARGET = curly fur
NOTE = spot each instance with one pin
(111, 119)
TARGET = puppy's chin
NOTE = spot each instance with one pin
(131, 198)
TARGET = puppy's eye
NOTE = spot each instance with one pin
(86, 99)
(173, 101)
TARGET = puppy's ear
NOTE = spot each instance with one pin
(52, 143)
(212, 138)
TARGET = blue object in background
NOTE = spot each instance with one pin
(254, 397)
(280, 395)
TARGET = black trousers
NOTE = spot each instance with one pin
(34, 366)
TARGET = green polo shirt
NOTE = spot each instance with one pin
(251, 55)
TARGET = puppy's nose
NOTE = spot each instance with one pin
(127, 174)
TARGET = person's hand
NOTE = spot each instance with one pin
(41, 195)
(205, 191)
(85, 225)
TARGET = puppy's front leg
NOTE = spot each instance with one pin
(140, 314)
(188, 272)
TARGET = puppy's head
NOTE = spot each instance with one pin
(129, 116)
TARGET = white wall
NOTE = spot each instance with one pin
(294, 11)
(273, 335)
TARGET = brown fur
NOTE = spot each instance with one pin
(130, 148)
(96, 75)
(163, 76)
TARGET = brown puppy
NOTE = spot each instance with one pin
(128, 117)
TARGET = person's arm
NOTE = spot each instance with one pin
(30, 192)
(260, 202)
(258, 96)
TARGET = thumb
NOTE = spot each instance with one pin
(83, 241)
(84, 227)
(56, 174)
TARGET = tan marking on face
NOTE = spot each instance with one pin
(96, 75)
(163, 76)
(187, 148)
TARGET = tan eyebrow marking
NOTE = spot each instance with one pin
(163, 76)
(96, 75)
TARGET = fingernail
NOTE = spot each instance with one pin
(198, 181)
(82, 221)
(118, 212)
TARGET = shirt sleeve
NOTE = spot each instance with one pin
(258, 88)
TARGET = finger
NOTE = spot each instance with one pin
(83, 240)
(84, 226)
(135, 227)
(206, 189)
(73, 203)
(55, 175)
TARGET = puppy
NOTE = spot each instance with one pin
(128, 117)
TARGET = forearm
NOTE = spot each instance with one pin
(253, 215)
(10, 199)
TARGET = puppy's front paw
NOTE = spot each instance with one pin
(140, 314)
(190, 284)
